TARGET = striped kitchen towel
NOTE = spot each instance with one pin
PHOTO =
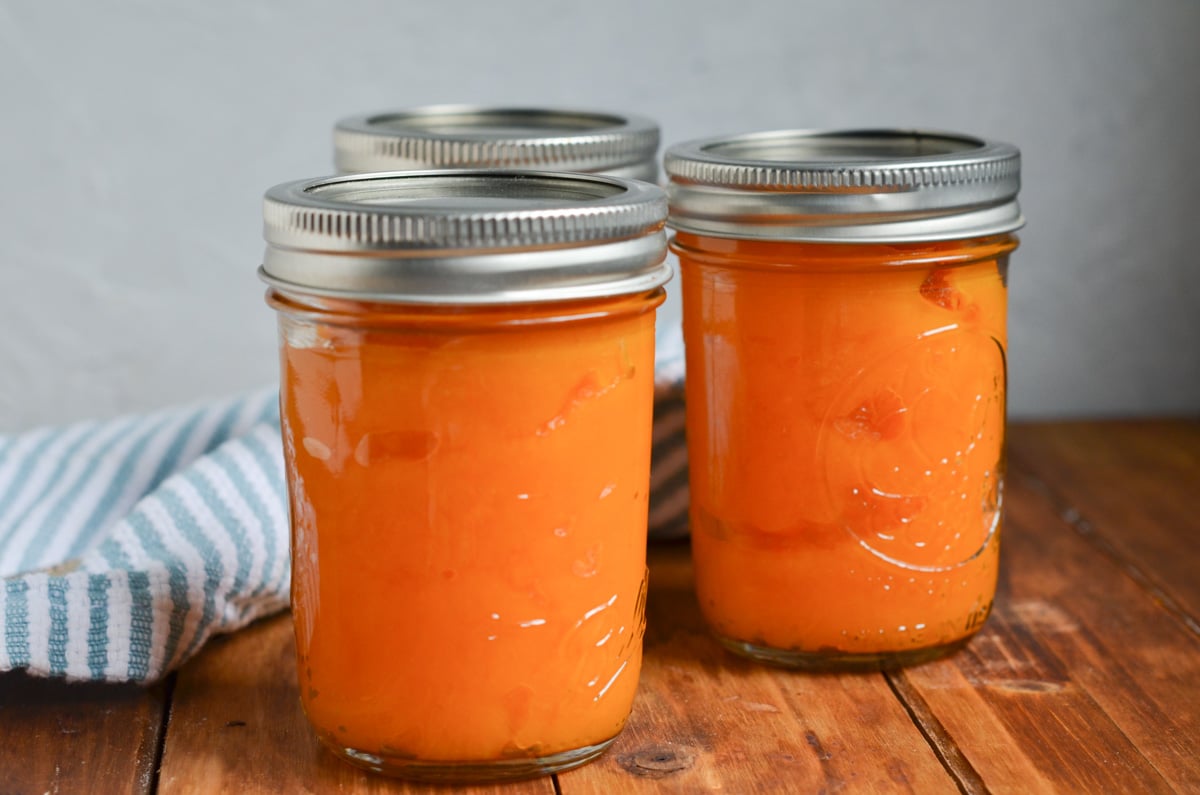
(125, 544)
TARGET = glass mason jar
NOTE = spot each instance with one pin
(466, 394)
(844, 298)
(554, 139)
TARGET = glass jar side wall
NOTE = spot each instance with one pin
(468, 496)
(846, 409)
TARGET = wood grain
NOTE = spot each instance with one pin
(57, 737)
(1079, 682)
(236, 726)
(705, 720)
(1085, 679)
(1132, 488)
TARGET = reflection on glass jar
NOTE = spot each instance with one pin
(468, 465)
(846, 411)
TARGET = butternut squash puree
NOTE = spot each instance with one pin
(845, 428)
(468, 501)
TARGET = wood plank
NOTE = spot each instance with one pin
(236, 726)
(1080, 681)
(705, 720)
(61, 737)
(1133, 489)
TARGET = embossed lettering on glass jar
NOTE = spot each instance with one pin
(466, 394)
(844, 313)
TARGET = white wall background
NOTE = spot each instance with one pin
(138, 137)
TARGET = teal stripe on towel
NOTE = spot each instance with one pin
(257, 506)
(214, 569)
(224, 429)
(270, 411)
(97, 659)
(13, 489)
(51, 525)
(270, 462)
(177, 581)
(229, 523)
(141, 625)
(64, 460)
(112, 553)
(24, 473)
(56, 590)
(120, 479)
(170, 457)
(16, 623)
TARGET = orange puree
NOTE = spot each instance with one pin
(469, 499)
(845, 431)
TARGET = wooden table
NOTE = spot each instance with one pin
(1085, 679)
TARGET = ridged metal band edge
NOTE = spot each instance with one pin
(294, 219)
(365, 142)
(565, 154)
(891, 177)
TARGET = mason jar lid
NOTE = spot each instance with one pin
(844, 186)
(465, 237)
(470, 136)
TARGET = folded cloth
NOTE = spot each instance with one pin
(126, 544)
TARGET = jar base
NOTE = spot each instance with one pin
(470, 771)
(835, 660)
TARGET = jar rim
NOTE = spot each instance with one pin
(465, 236)
(879, 185)
(481, 136)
